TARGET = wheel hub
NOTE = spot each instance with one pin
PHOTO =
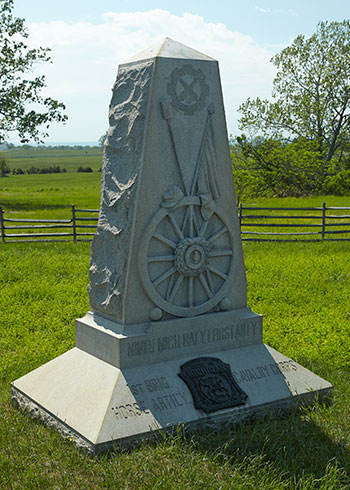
(191, 256)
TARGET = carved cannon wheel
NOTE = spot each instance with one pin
(185, 260)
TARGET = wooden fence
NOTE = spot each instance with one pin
(294, 224)
(257, 224)
(80, 227)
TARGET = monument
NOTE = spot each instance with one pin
(169, 339)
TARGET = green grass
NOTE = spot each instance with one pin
(49, 195)
(303, 291)
(70, 159)
(290, 202)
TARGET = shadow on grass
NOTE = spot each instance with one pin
(293, 446)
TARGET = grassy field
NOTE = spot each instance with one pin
(303, 291)
(52, 192)
(49, 195)
(69, 158)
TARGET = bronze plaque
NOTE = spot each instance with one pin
(211, 384)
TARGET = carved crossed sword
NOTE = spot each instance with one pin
(167, 114)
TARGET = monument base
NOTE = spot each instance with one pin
(99, 406)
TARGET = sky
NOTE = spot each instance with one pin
(89, 39)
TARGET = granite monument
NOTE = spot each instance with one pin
(169, 338)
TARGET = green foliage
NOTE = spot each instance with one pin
(338, 184)
(4, 168)
(17, 171)
(17, 92)
(55, 169)
(278, 168)
(247, 184)
(311, 92)
(84, 169)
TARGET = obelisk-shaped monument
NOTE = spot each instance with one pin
(169, 339)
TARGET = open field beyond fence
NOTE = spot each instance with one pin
(68, 158)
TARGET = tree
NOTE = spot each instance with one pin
(4, 168)
(270, 167)
(18, 89)
(311, 92)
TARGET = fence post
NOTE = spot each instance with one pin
(323, 220)
(2, 225)
(74, 224)
(240, 216)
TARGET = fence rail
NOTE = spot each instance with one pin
(71, 227)
(295, 226)
(256, 224)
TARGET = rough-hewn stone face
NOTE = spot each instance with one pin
(120, 178)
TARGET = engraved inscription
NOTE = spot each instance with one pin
(130, 410)
(141, 347)
(193, 338)
(158, 401)
(149, 385)
(283, 367)
(214, 389)
(156, 384)
(207, 336)
(187, 89)
(168, 402)
(137, 389)
(265, 371)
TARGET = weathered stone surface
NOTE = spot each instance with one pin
(120, 179)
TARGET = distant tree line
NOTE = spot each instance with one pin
(26, 146)
(54, 169)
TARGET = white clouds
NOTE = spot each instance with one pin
(290, 12)
(86, 55)
(263, 10)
